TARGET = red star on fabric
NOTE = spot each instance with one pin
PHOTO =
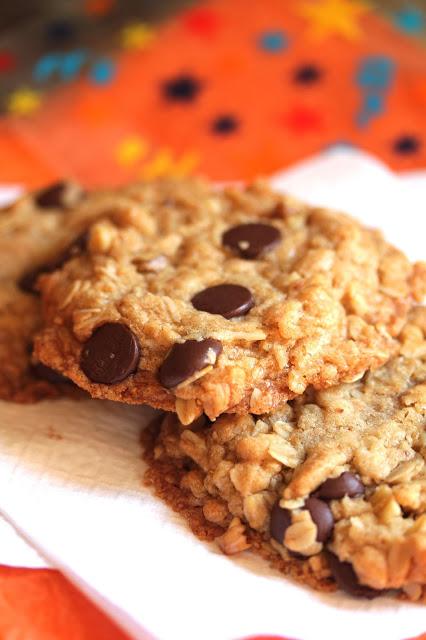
(302, 119)
(202, 22)
(7, 61)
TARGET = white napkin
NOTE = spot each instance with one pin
(71, 483)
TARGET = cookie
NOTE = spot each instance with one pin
(37, 234)
(197, 299)
(331, 487)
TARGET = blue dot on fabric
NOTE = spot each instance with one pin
(103, 71)
(65, 66)
(273, 41)
(373, 103)
(375, 72)
(46, 67)
(410, 20)
(72, 64)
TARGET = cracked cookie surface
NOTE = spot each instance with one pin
(237, 299)
(334, 483)
(37, 232)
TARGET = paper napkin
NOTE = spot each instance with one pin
(71, 482)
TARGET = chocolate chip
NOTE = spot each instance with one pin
(28, 281)
(347, 484)
(251, 240)
(74, 249)
(227, 300)
(52, 196)
(111, 354)
(186, 358)
(322, 517)
(42, 371)
(347, 580)
(280, 522)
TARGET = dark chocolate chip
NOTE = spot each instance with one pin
(347, 580)
(186, 358)
(280, 522)
(227, 300)
(28, 281)
(347, 484)
(52, 196)
(251, 240)
(322, 517)
(111, 354)
(74, 249)
(42, 371)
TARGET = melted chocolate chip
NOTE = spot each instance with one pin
(74, 249)
(28, 281)
(42, 371)
(111, 354)
(347, 484)
(252, 240)
(186, 358)
(347, 580)
(227, 300)
(322, 517)
(280, 522)
(52, 196)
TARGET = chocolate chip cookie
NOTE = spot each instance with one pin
(38, 233)
(331, 487)
(198, 299)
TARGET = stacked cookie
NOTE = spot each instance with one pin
(281, 339)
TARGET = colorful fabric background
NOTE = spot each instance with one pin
(229, 89)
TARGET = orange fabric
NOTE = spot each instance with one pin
(42, 605)
(273, 81)
(81, 128)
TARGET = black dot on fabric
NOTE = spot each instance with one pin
(307, 74)
(224, 124)
(60, 31)
(406, 145)
(183, 88)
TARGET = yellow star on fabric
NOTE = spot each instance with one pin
(23, 102)
(333, 17)
(136, 36)
(164, 163)
(130, 150)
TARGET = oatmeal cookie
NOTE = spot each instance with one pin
(37, 233)
(198, 299)
(334, 483)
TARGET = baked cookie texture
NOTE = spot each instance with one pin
(316, 299)
(331, 488)
(37, 233)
